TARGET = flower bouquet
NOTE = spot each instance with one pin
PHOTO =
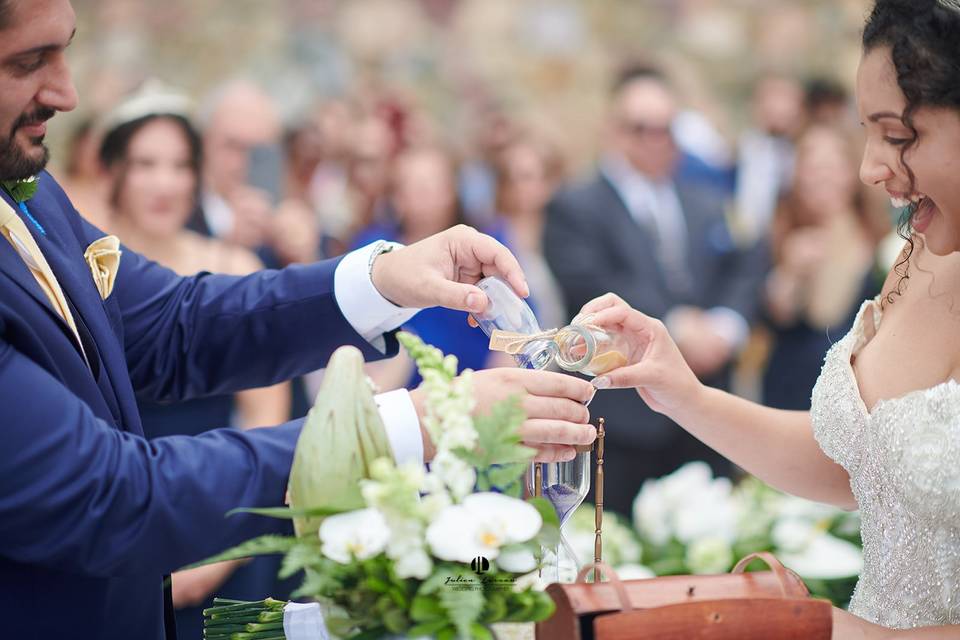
(690, 522)
(409, 552)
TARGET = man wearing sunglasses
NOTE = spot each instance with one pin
(662, 243)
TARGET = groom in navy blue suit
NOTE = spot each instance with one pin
(92, 516)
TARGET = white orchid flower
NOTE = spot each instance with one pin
(825, 558)
(455, 535)
(357, 534)
(481, 525)
(519, 560)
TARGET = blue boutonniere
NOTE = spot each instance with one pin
(21, 191)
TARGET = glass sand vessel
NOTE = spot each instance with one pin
(579, 347)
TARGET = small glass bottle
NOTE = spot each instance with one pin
(580, 347)
(585, 348)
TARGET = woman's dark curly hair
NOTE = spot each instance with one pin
(924, 38)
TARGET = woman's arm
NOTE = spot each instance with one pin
(776, 446)
(847, 626)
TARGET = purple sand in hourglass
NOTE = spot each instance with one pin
(563, 498)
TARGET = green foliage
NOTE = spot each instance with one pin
(549, 536)
(22, 190)
(500, 457)
(288, 513)
(262, 546)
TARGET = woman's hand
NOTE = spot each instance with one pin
(656, 367)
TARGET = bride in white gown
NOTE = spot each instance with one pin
(884, 431)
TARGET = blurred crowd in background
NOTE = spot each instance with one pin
(699, 158)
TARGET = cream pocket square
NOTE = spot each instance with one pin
(103, 257)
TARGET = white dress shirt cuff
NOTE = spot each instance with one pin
(368, 312)
(730, 325)
(402, 424)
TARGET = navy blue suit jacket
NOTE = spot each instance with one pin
(92, 515)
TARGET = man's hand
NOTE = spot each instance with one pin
(557, 419)
(441, 271)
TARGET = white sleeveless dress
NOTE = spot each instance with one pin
(903, 457)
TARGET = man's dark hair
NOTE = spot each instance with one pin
(821, 91)
(635, 71)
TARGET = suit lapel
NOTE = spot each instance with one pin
(64, 254)
(13, 266)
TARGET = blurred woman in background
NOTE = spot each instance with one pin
(424, 201)
(151, 156)
(824, 240)
(529, 170)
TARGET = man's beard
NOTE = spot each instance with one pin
(15, 164)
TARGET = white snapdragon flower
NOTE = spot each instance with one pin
(458, 476)
(416, 564)
(358, 534)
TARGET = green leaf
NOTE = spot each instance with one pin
(549, 535)
(498, 436)
(262, 546)
(299, 557)
(370, 634)
(426, 609)
(427, 628)
(315, 584)
(376, 585)
(22, 190)
(288, 513)
(544, 606)
(462, 607)
(448, 633)
(495, 608)
(480, 632)
(437, 580)
(505, 475)
(396, 621)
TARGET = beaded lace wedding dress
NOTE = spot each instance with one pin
(903, 457)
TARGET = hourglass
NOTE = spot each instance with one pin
(563, 484)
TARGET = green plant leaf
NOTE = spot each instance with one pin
(549, 535)
(435, 581)
(427, 628)
(316, 583)
(505, 475)
(396, 621)
(462, 607)
(426, 609)
(495, 608)
(288, 513)
(263, 546)
(299, 557)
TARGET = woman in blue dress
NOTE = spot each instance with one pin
(151, 156)
(424, 201)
